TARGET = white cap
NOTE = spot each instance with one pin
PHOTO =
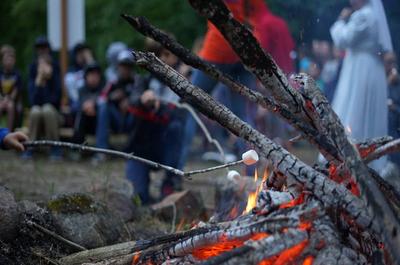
(250, 157)
(126, 57)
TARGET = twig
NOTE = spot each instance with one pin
(58, 237)
(86, 148)
(389, 148)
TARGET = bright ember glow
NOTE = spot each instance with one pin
(287, 256)
(223, 245)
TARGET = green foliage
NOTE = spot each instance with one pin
(104, 25)
(20, 23)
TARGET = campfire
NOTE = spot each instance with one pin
(339, 213)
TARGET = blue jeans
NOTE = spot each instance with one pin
(109, 117)
(169, 151)
(234, 101)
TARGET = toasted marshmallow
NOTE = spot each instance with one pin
(250, 157)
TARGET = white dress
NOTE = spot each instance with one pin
(361, 95)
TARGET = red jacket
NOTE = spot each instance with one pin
(215, 48)
(273, 35)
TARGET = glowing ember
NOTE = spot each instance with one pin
(364, 152)
(309, 260)
(288, 256)
(223, 245)
(293, 203)
(135, 259)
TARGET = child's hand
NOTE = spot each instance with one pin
(15, 140)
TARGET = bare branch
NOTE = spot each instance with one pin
(54, 235)
(389, 148)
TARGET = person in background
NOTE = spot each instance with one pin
(315, 72)
(303, 58)
(81, 56)
(273, 34)
(10, 85)
(86, 119)
(12, 140)
(44, 91)
(330, 71)
(178, 115)
(361, 97)
(157, 130)
(114, 101)
(393, 100)
(112, 58)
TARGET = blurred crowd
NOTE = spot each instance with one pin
(118, 99)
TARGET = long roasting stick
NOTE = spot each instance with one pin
(85, 148)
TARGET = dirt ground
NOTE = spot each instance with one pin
(39, 179)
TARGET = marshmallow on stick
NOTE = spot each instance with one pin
(250, 157)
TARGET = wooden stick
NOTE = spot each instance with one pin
(85, 148)
(389, 148)
(54, 235)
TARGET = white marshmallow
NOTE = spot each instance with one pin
(250, 157)
(233, 175)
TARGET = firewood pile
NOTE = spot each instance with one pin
(341, 213)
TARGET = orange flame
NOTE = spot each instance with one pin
(252, 198)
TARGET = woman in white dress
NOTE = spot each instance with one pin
(361, 95)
